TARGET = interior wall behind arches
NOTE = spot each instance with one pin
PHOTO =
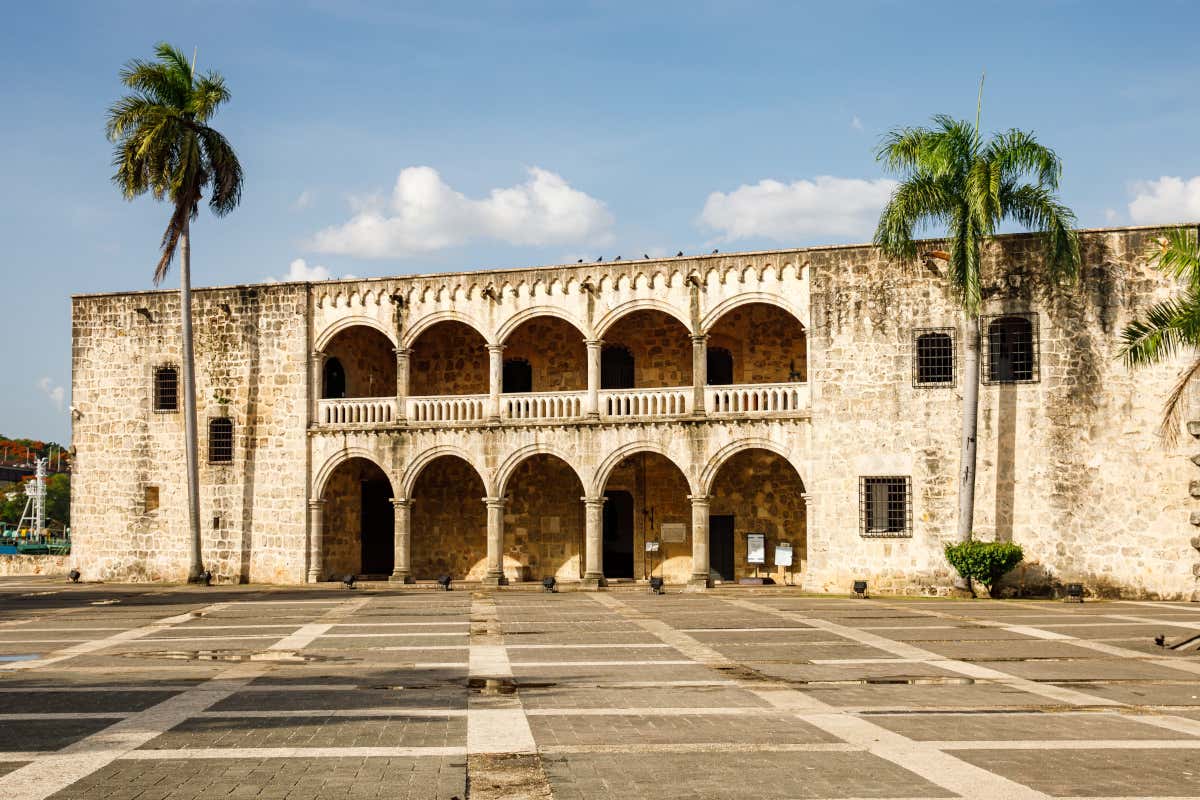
(555, 352)
(660, 344)
(660, 496)
(449, 358)
(448, 522)
(341, 537)
(765, 495)
(544, 521)
(766, 342)
(368, 360)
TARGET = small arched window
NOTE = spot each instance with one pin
(517, 376)
(720, 367)
(166, 389)
(1011, 349)
(616, 368)
(220, 440)
(934, 358)
(334, 379)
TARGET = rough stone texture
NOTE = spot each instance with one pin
(543, 521)
(1070, 466)
(343, 516)
(765, 495)
(18, 564)
(368, 358)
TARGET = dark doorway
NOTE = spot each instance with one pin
(377, 531)
(720, 367)
(616, 368)
(720, 545)
(335, 379)
(517, 377)
(618, 535)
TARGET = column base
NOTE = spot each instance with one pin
(493, 420)
(699, 583)
(313, 576)
(492, 579)
(401, 577)
(593, 581)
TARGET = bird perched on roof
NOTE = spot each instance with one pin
(677, 255)
(580, 261)
(645, 255)
(618, 258)
(598, 260)
(715, 251)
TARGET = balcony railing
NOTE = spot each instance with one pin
(614, 404)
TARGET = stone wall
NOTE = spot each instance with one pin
(661, 348)
(555, 351)
(369, 360)
(765, 495)
(251, 366)
(766, 342)
(660, 497)
(448, 358)
(17, 564)
(449, 522)
(342, 531)
(543, 521)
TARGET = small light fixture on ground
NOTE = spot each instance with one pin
(348, 581)
(548, 584)
(1161, 640)
(656, 584)
(1074, 593)
(208, 576)
(860, 589)
(444, 582)
(74, 575)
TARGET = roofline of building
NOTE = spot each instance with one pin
(640, 261)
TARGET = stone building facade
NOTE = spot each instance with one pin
(683, 417)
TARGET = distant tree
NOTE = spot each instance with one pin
(952, 179)
(165, 146)
(1171, 325)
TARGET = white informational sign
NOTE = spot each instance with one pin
(651, 547)
(783, 554)
(756, 548)
(673, 532)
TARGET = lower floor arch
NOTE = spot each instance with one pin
(647, 500)
(448, 522)
(358, 521)
(543, 521)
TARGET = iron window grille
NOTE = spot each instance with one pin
(885, 505)
(934, 357)
(220, 441)
(166, 389)
(1011, 350)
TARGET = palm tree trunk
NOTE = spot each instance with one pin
(196, 566)
(970, 428)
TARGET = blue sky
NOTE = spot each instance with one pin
(390, 138)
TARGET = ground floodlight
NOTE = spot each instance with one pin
(1074, 592)
(656, 585)
(444, 582)
(74, 575)
(348, 581)
(549, 583)
(208, 576)
(860, 589)
(1161, 640)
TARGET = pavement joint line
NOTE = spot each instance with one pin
(457, 634)
(701, 747)
(165, 687)
(496, 724)
(1069, 744)
(614, 663)
(291, 752)
(648, 645)
(376, 711)
(648, 711)
(934, 766)
(33, 716)
(91, 646)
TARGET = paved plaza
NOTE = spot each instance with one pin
(151, 692)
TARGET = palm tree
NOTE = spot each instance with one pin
(164, 145)
(1170, 325)
(952, 180)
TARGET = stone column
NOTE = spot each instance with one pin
(402, 541)
(591, 406)
(402, 354)
(593, 576)
(700, 579)
(316, 371)
(699, 372)
(316, 540)
(495, 542)
(495, 380)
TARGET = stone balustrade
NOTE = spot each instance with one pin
(454, 408)
(357, 411)
(666, 402)
(543, 405)
(768, 398)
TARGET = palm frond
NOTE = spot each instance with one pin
(1036, 208)
(964, 262)
(1172, 418)
(208, 94)
(224, 169)
(916, 204)
(1178, 255)
(1019, 153)
(1162, 330)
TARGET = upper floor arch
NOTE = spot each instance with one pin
(341, 324)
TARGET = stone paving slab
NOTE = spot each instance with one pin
(90, 702)
(46, 735)
(760, 727)
(617, 696)
(353, 698)
(309, 731)
(1145, 694)
(1096, 773)
(1015, 727)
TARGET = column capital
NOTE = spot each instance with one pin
(699, 338)
(316, 355)
(495, 502)
(495, 348)
(699, 499)
(594, 342)
(401, 502)
(316, 505)
(805, 496)
(402, 352)
(594, 501)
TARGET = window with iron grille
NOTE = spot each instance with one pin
(1011, 343)
(220, 441)
(933, 357)
(885, 505)
(166, 389)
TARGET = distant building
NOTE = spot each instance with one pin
(515, 424)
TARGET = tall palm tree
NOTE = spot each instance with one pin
(952, 180)
(165, 146)
(1170, 325)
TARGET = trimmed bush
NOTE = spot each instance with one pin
(986, 562)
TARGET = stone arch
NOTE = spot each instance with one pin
(526, 314)
(725, 306)
(424, 323)
(606, 467)
(514, 460)
(321, 477)
(718, 460)
(642, 304)
(412, 470)
(336, 327)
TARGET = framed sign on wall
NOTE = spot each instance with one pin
(756, 548)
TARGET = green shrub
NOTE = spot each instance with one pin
(986, 562)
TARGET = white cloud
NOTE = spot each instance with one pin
(856, 123)
(299, 270)
(1168, 199)
(304, 200)
(826, 206)
(1111, 216)
(57, 394)
(425, 214)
